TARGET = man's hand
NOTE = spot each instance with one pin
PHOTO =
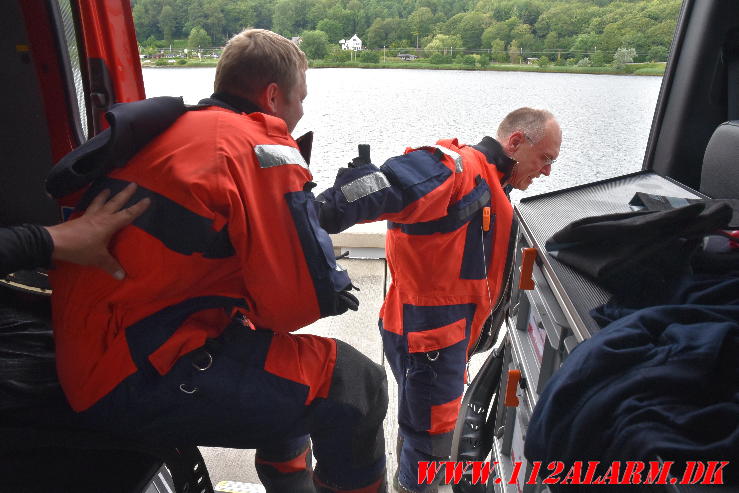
(363, 159)
(346, 301)
(84, 240)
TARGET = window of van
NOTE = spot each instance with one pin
(70, 58)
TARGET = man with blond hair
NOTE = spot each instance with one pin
(195, 346)
(449, 247)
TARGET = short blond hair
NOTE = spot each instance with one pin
(530, 121)
(255, 58)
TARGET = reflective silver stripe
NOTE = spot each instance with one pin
(271, 155)
(366, 185)
(457, 158)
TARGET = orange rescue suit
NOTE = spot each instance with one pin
(434, 201)
(232, 228)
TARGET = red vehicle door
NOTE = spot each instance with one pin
(67, 62)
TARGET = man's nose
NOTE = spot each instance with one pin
(546, 170)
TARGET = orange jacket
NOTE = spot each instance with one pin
(232, 225)
(433, 199)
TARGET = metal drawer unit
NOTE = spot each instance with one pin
(541, 216)
(551, 304)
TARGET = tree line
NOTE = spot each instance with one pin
(505, 30)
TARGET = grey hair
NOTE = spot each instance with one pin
(530, 121)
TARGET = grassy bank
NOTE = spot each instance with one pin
(631, 69)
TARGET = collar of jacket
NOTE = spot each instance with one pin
(231, 102)
(495, 155)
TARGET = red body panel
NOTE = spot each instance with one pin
(109, 34)
(45, 56)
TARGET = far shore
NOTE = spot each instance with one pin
(631, 69)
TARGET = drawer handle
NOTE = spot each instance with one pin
(526, 282)
(511, 399)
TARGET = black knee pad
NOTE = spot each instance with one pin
(362, 384)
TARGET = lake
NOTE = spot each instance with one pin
(605, 119)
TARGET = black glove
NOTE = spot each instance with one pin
(363, 158)
(346, 301)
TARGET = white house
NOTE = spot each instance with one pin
(354, 43)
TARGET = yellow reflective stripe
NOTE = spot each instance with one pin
(366, 185)
(271, 155)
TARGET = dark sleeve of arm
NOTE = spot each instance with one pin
(393, 191)
(24, 247)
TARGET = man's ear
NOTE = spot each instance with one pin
(512, 143)
(268, 98)
(516, 139)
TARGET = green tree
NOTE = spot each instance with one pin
(214, 21)
(195, 15)
(440, 59)
(498, 30)
(369, 56)
(472, 27)
(376, 36)
(344, 18)
(566, 19)
(526, 10)
(238, 16)
(146, 18)
(285, 18)
(498, 51)
(339, 56)
(543, 61)
(537, 26)
(443, 44)
(552, 41)
(357, 16)
(583, 43)
(151, 42)
(198, 38)
(331, 28)
(514, 52)
(598, 58)
(291, 17)
(657, 54)
(523, 36)
(420, 22)
(315, 44)
(452, 25)
(468, 60)
(484, 60)
(167, 23)
(263, 13)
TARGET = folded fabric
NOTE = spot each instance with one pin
(652, 202)
(660, 381)
(638, 255)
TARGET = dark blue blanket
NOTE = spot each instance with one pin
(660, 381)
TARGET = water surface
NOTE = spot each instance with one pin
(605, 118)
